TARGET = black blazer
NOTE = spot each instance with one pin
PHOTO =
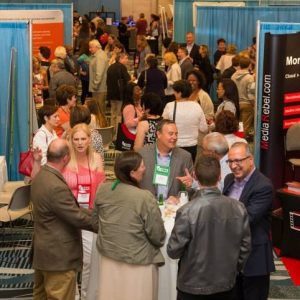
(257, 197)
(194, 54)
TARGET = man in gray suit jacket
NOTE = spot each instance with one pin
(165, 162)
(185, 62)
(57, 245)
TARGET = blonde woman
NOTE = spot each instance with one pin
(226, 59)
(173, 74)
(84, 174)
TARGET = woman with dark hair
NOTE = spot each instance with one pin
(153, 80)
(154, 31)
(132, 110)
(48, 116)
(146, 129)
(66, 98)
(131, 233)
(227, 92)
(228, 124)
(197, 81)
(188, 116)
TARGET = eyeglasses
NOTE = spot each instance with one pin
(236, 161)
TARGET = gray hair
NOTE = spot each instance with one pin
(217, 143)
(59, 63)
(242, 144)
(95, 43)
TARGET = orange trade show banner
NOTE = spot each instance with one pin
(47, 26)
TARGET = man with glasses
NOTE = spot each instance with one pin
(255, 191)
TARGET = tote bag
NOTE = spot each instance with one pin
(125, 139)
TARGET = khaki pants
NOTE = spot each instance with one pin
(100, 99)
(54, 285)
(247, 116)
(115, 108)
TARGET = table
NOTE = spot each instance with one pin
(167, 273)
(3, 172)
(290, 201)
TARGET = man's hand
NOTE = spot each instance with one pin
(187, 180)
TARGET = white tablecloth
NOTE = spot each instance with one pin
(3, 172)
(167, 273)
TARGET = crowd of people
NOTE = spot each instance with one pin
(182, 139)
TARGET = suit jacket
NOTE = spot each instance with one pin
(57, 244)
(257, 197)
(186, 66)
(194, 54)
(180, 160)
(97, 70)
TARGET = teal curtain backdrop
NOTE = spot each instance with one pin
(14, 97)
(66, 8)
(238, 24)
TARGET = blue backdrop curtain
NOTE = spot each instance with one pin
(183, 19)
(14, 87)
(238, 24)
(66, 8)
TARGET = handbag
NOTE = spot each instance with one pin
(125, 139)
(26, 163)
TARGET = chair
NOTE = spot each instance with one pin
(18, 206)
(107, 134)
(292, 146)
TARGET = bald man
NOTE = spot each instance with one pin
(58, 220)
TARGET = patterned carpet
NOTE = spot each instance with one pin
(16, 275)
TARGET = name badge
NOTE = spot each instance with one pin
(83, 197)
(161, 175)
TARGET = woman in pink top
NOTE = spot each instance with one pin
(84, 174)
(132, 110)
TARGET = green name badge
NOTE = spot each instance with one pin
(161, 175)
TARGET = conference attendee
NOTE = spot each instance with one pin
(66, 99)
(116, 81)
(124, 33)
(173, 74)
(226, 60)
(81, 114)
(111, 40)
(188, 127)
(132, 110)
(249, 186)
(221, 50)
(49, 117)
(83, 62)
(205, 67)
(165, 155)
(147, 126)
(228, 124)
(245, 83)
(39, 82)
(141, 25)
(131, 232)
(139, 58)
(233, 68)
(84, 174)
(98, 120)
(60, 76)
(192, 48)
(214, 144)
(58, 220)
(184, 61)
(228, 95)
(97, 71)
(197, 81)
(209, 272)
(118, 48)
(154, 27)
(152, 79)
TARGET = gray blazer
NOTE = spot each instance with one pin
(186, 66)
(180, 160)
(57, 244)
(97, 70)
